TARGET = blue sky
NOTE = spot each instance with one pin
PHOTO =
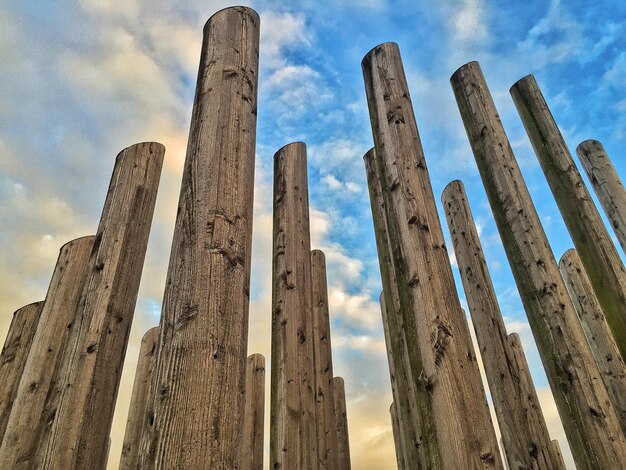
(82, 80)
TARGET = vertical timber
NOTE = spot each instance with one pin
(343, 441)
(589, 234)
(448, 372)
(253, 420)
(590, 422)
(37, 397)
(397, 437)
(199, 380)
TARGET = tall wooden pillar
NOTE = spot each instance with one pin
(199, 380)
(443, 356)
(523, 427)
(589, 234)
(253, 425)
(343, 441)
(590, 422)
(293, 430)
(397, 438)
(37, 398)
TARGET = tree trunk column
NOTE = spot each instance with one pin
(591, 424)
(293, 429)
(448, 371)
(252, 446)
(343, 442)
(591, 238)
(524, 431)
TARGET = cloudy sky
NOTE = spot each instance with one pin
(83, 79)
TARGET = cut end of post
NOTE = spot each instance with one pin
(370, 154)
(455, 186)
(463, 68)
(295, 147)
(375, 50)
(157, 150)
(238, 9)
(588, 144)
(28, 307)
(151, 334)
(87, 238)
(524, 82)
(567, 257)
(258, 359)
(318, 254)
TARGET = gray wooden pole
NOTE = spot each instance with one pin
(397, 437)
(92, 365)
(343, 441)
(607, 185)
(204, 324)
(37, 397)
(253, 420)
(325, 413)
(445, 360)
(293, 431)
(139, 399)
(523, 427)
(590, 422)
(589, 234)
(596, 330)
(411, 399)
(17, 344)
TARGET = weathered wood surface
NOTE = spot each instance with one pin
(140, 396)
(590, 422)
(398, 323)
(445, 361)
(596, 330)
(343, 441)
(589, 234)
(253, 420)
(523, 427)
(556, 450)
(606, 184)
(92, 365)
(397, 438)
(293, 430)
(17, 344)
(198, 406)
(38, 392)
(325, 413)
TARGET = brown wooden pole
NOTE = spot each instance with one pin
(556, 450)
(343, 441)
(92, 365)
(606, 184)
(325, 413)
(589, 234)
(523, 427)
(253, 420)
(590, 422)
(17, 344)
(293, 430)
(596, 330)
(200, 376)
(397, 438)
(37, 397)
(400, 330)
(139, 399)
(444, 362)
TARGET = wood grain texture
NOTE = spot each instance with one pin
(140, 396)
(606, 184)
(589, 234)
(556, 450)
(597, 332)
(446, 364)
(92, 365)
(325, 413)
(411, 400)
(253, 420)
(293, 429)
(199, 382)
(13, 357)
(590, 422)
(397, 438)
(37, 398)
(523, 427)
(343, 441)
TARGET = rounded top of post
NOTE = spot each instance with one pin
(339, 380)
(526, 81)
(27, 307)
(456, 186)
(370, 154)
(588, 143)
(293, 146)
(257, 358)
(151, 335)
(85, 238)
(318, 253)
(374, 50)
(230, 10)
(567, 256)
(159, 149)
(463, 68)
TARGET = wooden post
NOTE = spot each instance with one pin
(397, 437)
(253, 420)
(589, 234)
(13, 357)
(293, 431)
(556, 450)
(343, 442)
(36, 402)
(445, 362)
(409, 396)
(596, 330)
(607, 185)
(325, 413)
(523, 427)
(591, 424)
(204, 324)
(139, 399)
(92, 365)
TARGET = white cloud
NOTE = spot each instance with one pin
(281, 31)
